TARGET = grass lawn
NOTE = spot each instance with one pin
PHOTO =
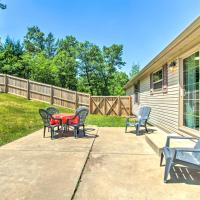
(106, 121)
(20, 117)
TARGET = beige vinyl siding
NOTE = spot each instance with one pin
(135, 106)
(164, 107)
(129, 91)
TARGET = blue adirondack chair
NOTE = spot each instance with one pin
(185, 156)
(142, 119)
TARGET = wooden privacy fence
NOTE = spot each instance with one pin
(110, 105)
(43, 92)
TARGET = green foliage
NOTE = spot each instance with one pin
(68, 63)
(119, 79)
(98, 67)
(89, 61)
(10, 55)
(41, 69)
(50, 45)
(69, 44)
(34, 40)
(25, 66)
(112, 61)
(28, 119)
(66, 67)
(82, 85)
(134, 70)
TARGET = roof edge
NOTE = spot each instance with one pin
(170, 46)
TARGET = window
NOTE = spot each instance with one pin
(157, 79)
(191, 85)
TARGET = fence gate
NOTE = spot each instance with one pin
(110, 105)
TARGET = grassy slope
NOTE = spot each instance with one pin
(20, 117)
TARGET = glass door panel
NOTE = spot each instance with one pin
(191, 75)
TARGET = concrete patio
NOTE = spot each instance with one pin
(113, 165)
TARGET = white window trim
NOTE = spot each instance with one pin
(183, 128)
(161, 80)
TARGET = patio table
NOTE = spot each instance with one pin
(63, 117)
(60, 117)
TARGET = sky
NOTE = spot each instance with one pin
(143, 27)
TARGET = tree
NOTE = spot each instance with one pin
(69, 44)
(66, 70)
(50, 46)
(97, 66)
(112, 61)
(24, 66)
(3, 6)
(82, 85)
(42, 70)
(134, 70)
(66, 62)
(34, 40)
(89, 58)
(117, 83)
(10, 55)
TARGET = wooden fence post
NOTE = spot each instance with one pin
(90, 104)
(104, 105)
(130, 104)
(119, 106)
(52, 95)
(6, 83)
(76, 100)
(28, 90)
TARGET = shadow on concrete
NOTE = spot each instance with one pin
(143, 132)
(180, 174)
(88, 134)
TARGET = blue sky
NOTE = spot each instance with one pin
(144, 27)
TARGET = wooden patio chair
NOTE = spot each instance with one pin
(189, 157)
(141, 120)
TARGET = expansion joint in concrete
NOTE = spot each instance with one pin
(84, 166)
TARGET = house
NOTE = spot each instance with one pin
(170, 84)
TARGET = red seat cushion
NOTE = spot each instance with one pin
(74, 121)
(58, 117)
(54, 122)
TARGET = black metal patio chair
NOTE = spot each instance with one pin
(46, 118)
(78, 120)
(52, 110)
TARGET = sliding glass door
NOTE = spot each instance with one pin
(191, 83)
